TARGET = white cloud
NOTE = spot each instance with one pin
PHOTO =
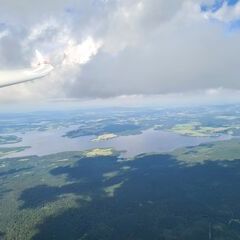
(81, 53)
(40, 30)
(227, 13)
(113, 48)
(3, 34)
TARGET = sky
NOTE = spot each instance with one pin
(129, 51)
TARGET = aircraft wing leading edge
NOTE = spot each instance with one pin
(8, 78)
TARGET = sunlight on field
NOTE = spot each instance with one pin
(195, 129)
(99, 152)
(218, 151)
(104, 137)
(111, 189)
(110, 175)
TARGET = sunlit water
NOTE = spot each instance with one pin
(52, 141)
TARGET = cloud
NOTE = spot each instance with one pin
(80, 53)
(104, 49)
(3, 34)
(226, 13)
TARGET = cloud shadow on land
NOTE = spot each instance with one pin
(13, 171)
(158, 199)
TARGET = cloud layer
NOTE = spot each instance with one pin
(121, 47)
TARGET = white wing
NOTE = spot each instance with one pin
(8, 78)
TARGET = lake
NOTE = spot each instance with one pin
(149, 141)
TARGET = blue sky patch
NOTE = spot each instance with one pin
(234, 25)
(217, 5)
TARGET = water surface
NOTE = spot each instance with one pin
(52, 141)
